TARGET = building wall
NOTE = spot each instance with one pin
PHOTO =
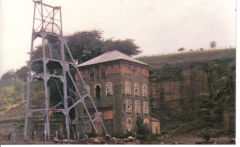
(155, 126)
(118, 73)
(133, 98)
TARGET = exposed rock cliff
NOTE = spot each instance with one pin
(194, 92)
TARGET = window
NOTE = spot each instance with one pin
(136, 89)
(98, 90)
(137, 106)
(103, 73)
(145, 121)
(129, 124)
(109, 90)
(127, 88)
(97, 72)
(144, 90)
(145, 107)
(91, 74)
(88, 88)
(128, 105)
(96, 116)
(108, 115)
(156, 130)
(97, 122)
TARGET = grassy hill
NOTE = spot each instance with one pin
(11, 100)
(188, 57)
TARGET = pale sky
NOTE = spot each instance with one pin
(157, 26)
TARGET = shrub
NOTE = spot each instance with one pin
(142, 130)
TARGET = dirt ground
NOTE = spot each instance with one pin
(176, 140)
(195, 140)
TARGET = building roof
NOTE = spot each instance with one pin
(110, 56)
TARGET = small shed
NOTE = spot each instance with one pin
(155, 123)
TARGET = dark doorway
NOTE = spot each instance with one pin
(98, 90)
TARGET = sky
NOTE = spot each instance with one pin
(157, 26)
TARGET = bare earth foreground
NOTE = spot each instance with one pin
(130, 140)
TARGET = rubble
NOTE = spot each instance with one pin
(218, 141)
(99, 140)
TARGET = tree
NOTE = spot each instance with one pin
(89, 44)
(181, 49)
(142, 130)
(9, 75)
(85, 45)
(213, 44)
(22, 73)
(125, 46)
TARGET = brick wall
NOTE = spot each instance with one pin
(117, 72)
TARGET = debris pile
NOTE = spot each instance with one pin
(218, 141)
(100, 140)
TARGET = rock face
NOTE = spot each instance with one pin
(182, 90)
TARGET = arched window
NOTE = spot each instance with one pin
(88, 88)
(109, 89)
(98, 90)
(145, 121)
(137, 106)
(128, 105)
(129, 124)
(103, 73)
(156, 129)
(91, 74)
(145, 107)
(127, 88)
(97, 122)
(144, 91)
(136, 89)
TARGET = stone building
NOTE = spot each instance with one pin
(119, 87)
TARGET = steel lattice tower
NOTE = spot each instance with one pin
(47, 25)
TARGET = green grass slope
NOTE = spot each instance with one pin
(11, 100)
(188, 57)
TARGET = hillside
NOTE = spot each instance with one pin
(188, 57)
(191, 93)
(194, 93)
(13, 106)
(12, 102)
